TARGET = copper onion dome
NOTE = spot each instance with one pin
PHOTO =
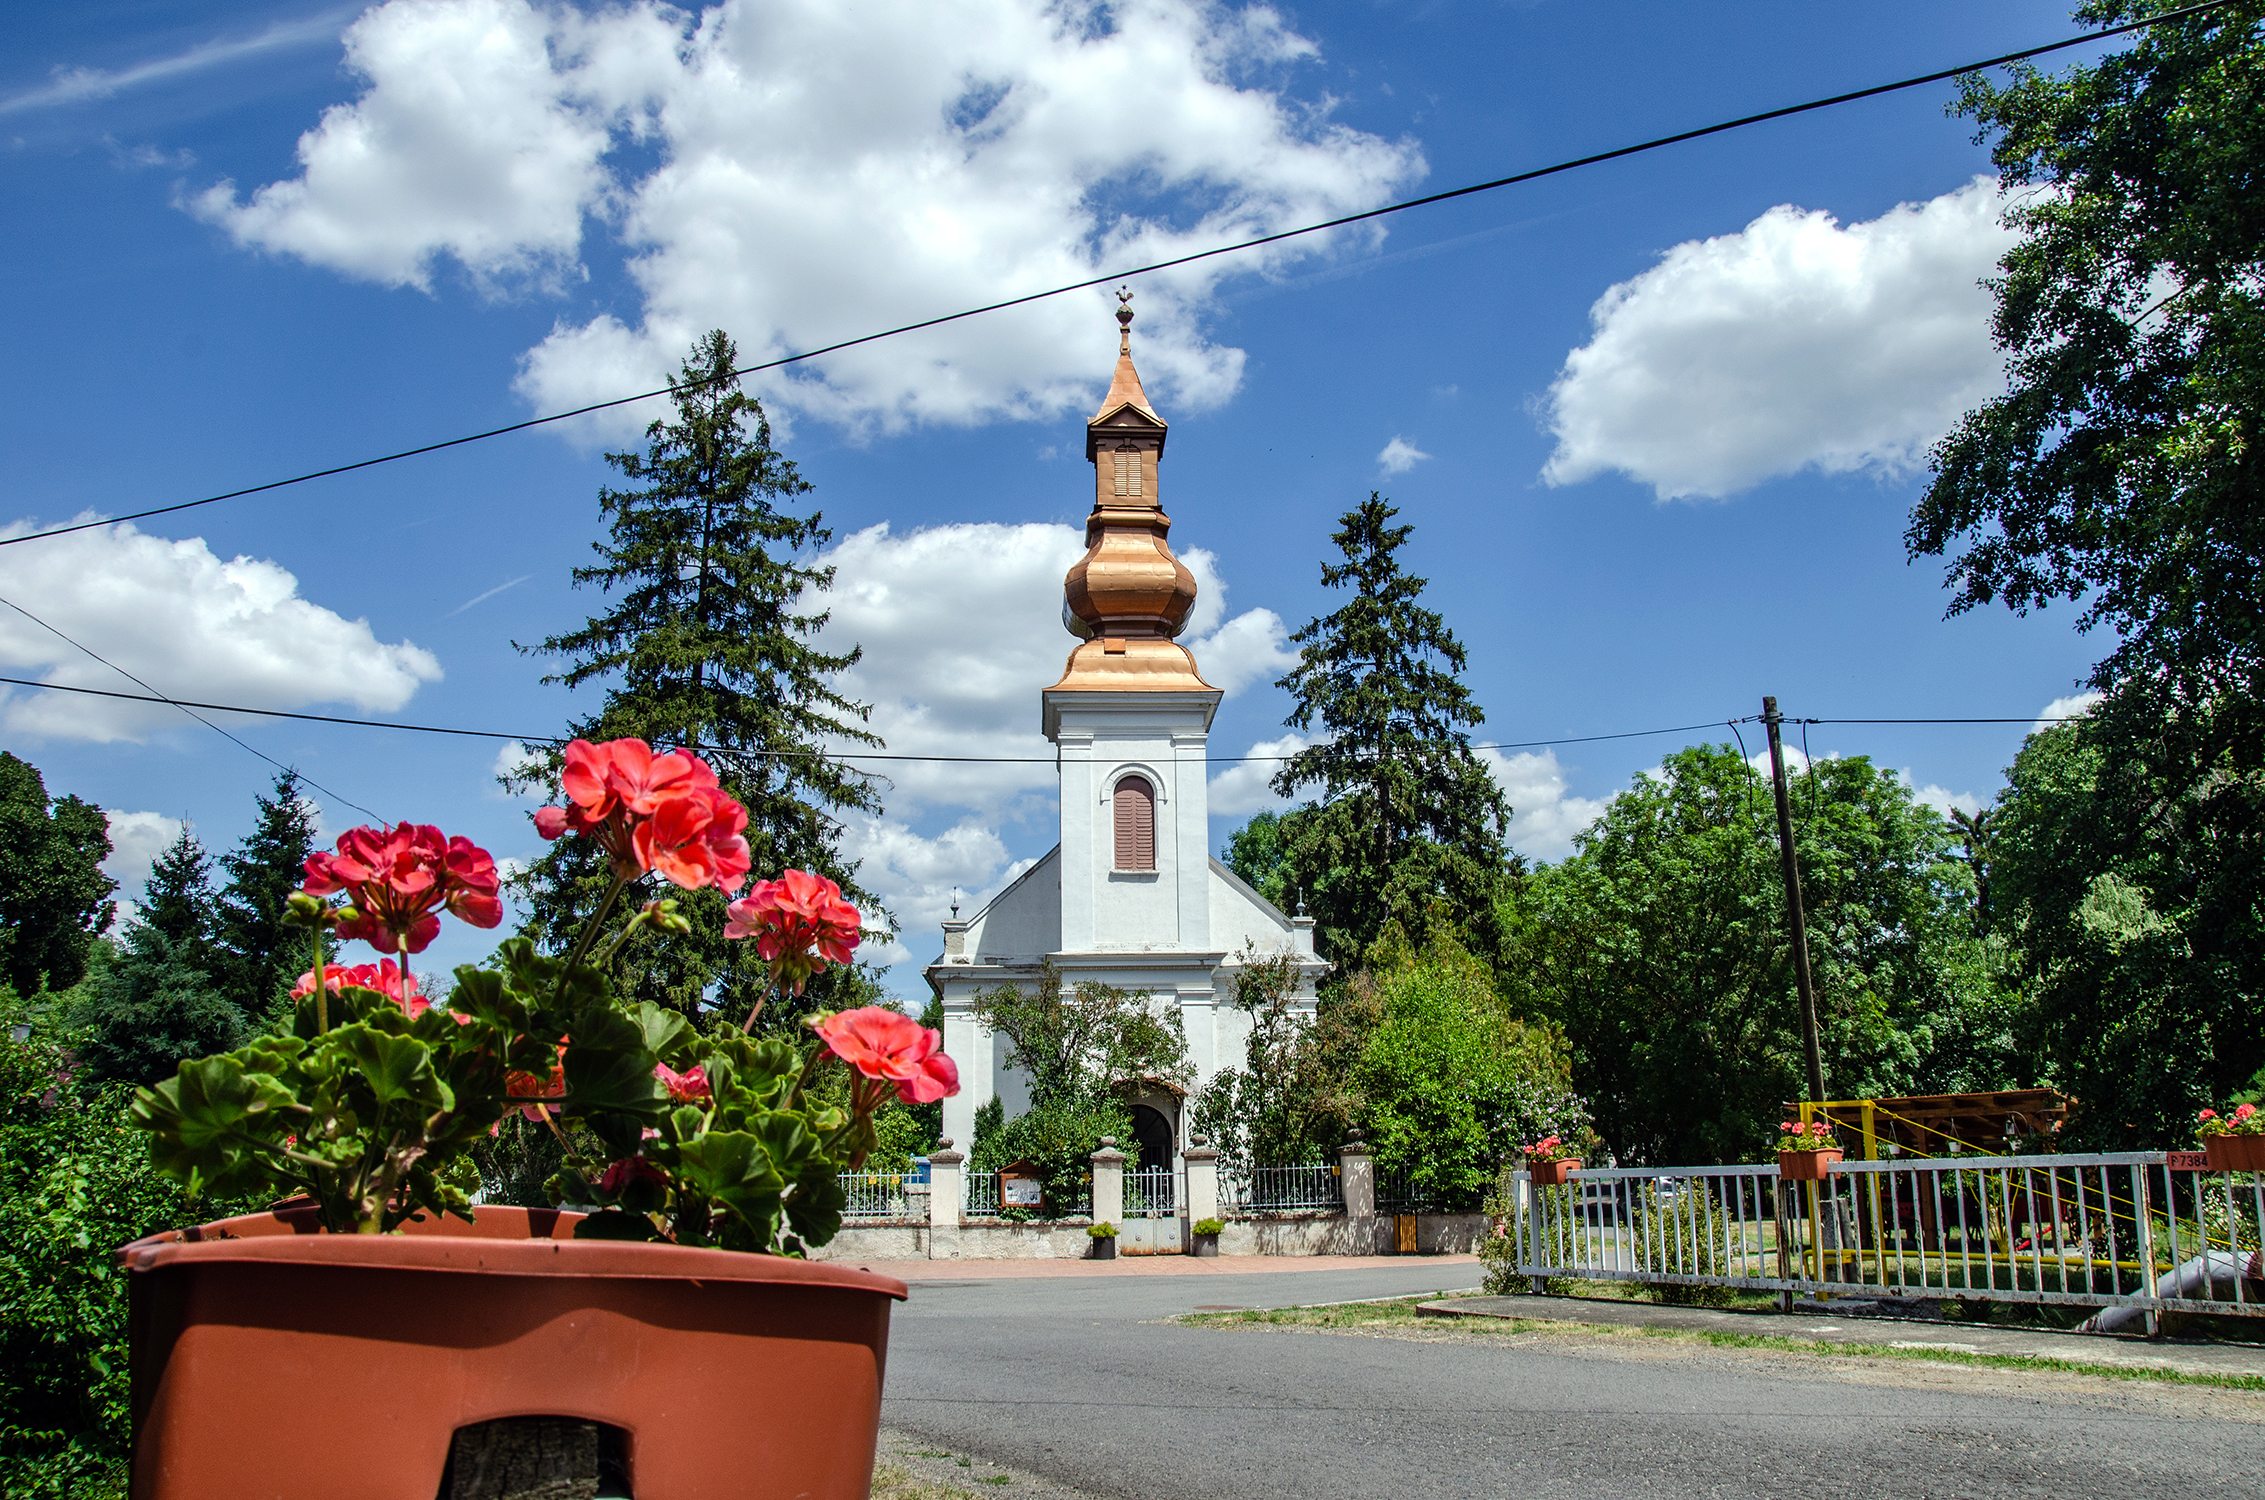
(1128, 596)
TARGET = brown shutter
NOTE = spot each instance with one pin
(1136, 825)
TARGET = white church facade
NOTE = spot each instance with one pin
(1130, 896)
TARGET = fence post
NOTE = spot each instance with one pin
(1109, 1183)
(945, 1195)
(1528, 1216)
(1202, 1200)
(1356, 1172)
(2145, 1232)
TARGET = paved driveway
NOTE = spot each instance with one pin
(1080, 1379)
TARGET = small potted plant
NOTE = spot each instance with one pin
(1206, 1232)
(2234, 1141)
(688, 1147)
(1805, 1153)
(1103, 1240)
(1552, 1160)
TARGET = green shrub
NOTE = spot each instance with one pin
(75, 1183)
(1058, 1140)
(1207, 1226)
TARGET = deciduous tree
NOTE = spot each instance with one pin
(54, 898)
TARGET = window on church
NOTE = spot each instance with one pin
(1136, 824)
(1128, 471)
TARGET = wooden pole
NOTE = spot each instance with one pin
(1796, 920)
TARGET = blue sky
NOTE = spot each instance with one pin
(1658, 424)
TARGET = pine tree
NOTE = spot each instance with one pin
(262, 956)
(708, 642)
(1406, 825)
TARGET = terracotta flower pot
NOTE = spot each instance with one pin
(261, 1347)
(1553, 1173)
(1806, 1166)
(2235, 1153)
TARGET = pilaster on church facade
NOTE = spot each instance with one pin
(1130, 895)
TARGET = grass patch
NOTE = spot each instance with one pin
(1401, 1313)
(893, 1483)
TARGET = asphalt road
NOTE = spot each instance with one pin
(1081, 1381)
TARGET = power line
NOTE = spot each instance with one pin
(188, 704)
(188, 708)
(1404, 205)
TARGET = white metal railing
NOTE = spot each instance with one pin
(2148, 1230)
(877, 1195)
(1151, 1194)
(1281, 1188)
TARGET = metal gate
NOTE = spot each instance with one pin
(1152, 1213)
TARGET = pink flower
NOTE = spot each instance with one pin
(2208, 1114)
(384, 977)
(2244, 1111)
(400, 880)
(687, 1087)
(696, 837)
(891, 1046)
(650, 812)
(800, 924)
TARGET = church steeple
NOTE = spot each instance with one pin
(1128, 596)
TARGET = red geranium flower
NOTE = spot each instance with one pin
(695, 837)
(687, 1087)
(651, 812)
(398, 882)
(891, 1046)
(800, 924)
(385, 977)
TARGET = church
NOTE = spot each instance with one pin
(1130, 896)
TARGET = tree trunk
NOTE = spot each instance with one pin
(524, 1458)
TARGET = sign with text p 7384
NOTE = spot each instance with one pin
(2186, 1161)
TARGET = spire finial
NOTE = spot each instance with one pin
(1124, 320)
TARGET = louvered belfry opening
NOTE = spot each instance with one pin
(1136, 824)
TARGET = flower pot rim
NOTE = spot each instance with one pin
(511, 1242)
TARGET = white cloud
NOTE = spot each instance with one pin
(917, 876)
(807, 171)
(197, 626)
(1795, 343)
(1245, 786)
(1544, 815)
(136, 840)
(1399, 456)
(84, 85)
(513, 759)
(1942, 799)
(2072, 706)
(480, 137)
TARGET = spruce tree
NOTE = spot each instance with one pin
(262, 955)
(707, 641)
(161, 998)
(178, 904)
(1405, 824)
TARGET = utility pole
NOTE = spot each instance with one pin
(1796, 919)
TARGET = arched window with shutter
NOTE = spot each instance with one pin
(1135, 802)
